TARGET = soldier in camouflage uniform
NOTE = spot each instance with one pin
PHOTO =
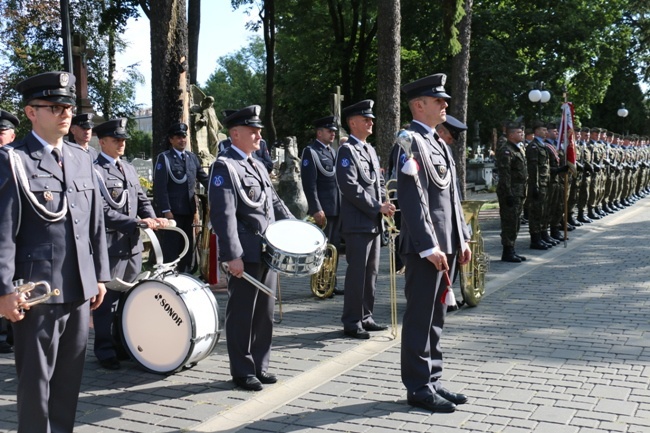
(594, 185)
(588, 171)
(511, 189)
(554, 209)
(538, 178)
(574, 183)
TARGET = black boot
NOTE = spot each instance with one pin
(583, 218)
(573, 221)
(522, 258)
(557, 235)
(600, 211)
(536, 242)
(593, 215)
(549, 240)
(509, 255)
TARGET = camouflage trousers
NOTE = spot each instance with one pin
(536, 211)
(510, 220)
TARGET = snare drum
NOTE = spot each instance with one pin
(294, 247)
(169, 324)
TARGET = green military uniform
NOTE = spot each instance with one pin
(538, 178)
(586, 159)
(511, 191)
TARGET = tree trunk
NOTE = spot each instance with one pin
(388, 76)
(170, 88)
(268, 20)
(193, 28)
(459, 89)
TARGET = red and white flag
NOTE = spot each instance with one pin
(566, 136)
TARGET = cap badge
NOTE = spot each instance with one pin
(64, 79)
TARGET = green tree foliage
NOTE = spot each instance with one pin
(139, 145)
(238, 80)
(30, 41)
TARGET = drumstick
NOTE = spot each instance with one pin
(248, 277)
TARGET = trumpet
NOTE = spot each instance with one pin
(28, 287)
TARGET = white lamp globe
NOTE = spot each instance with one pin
(546, 96)
(534, 95)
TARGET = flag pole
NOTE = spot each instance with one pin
(565, 139)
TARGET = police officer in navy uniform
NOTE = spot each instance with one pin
(53, 231)
(363, 202)
(174, 185)
(243, 204)
(8, 125)
(434, 239)
(125, 206)
(317, 172)
(82, 131)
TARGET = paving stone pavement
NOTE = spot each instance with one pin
(560, 343)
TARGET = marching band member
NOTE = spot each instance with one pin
(433, 233)
(243, 204)
(174, 191)
(363, 201)
(125, 205)
(53, 230)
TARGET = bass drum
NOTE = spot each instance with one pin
(169, 324)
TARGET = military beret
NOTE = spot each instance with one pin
(454, 126)
(328, 122)
(84, 120)
(433, 85)
(179, 129)
(551, 126)
(594, 130)
(112, 128)
(8, 120)
(584, 129)
(361, 108)
(528, 131)
(513, 126)
(248, 116)
(538, 124)
(50, 86)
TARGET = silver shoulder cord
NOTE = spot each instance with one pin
(20, 178)
(355, 156)
(319, 165)
(124, 197)
(171, 175)
(236, 182)
(432, 173)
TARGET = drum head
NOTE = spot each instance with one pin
(157, 326)
(295, 236)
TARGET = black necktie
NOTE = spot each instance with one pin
(252, 163)
(56, 153)
(118, 164)
(183, 156)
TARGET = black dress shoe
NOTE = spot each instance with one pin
(434, 403)
(250, 383)
(110, 364)
(267, 378)
(452, 396)
(6, 347)
(338, 291)
(374, 327)
(361, 334)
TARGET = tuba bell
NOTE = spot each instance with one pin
(472, 274)
(323, 282)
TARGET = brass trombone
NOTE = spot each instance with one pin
(29, 287)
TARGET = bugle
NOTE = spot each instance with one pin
(28, 287)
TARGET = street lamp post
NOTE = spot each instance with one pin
(622, 113)
(540, 96)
